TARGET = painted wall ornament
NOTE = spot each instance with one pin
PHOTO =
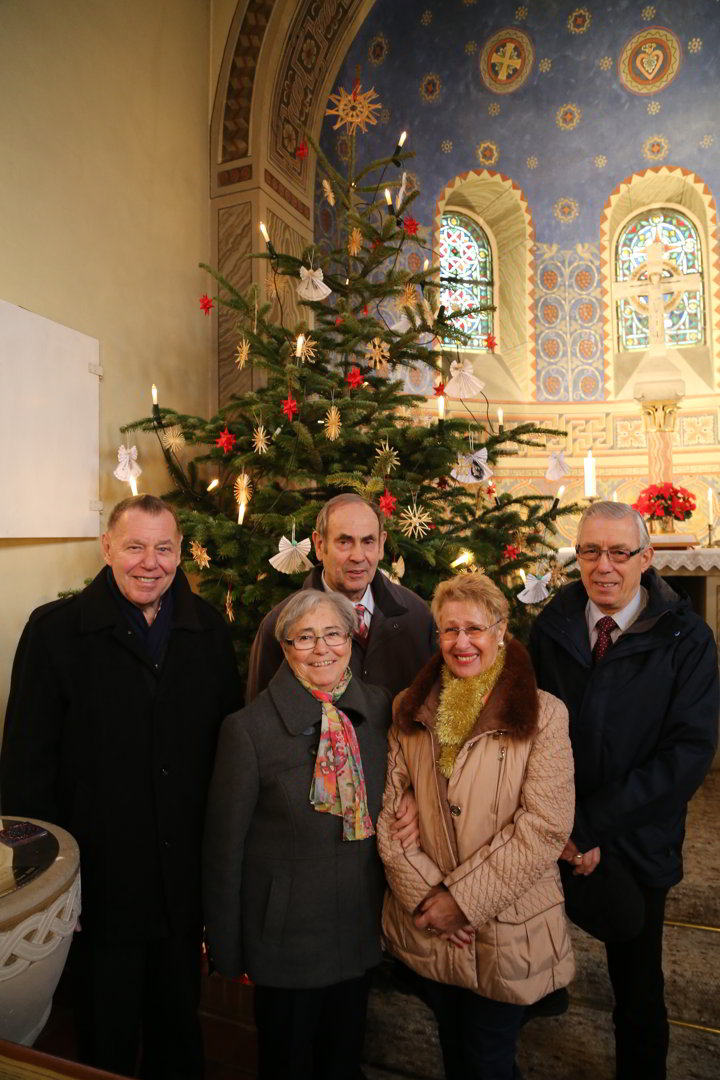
(649, 61)
(506, 60)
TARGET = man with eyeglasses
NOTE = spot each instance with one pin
(637, 670)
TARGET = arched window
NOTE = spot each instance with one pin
(681, 310)
(466, 256)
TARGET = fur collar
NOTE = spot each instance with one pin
(512, 707)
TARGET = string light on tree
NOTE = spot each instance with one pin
(213, 484)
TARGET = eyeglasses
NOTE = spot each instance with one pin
(306, 642)
(473, 633)
(591, 553)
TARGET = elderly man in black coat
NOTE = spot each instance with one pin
(395, 635)
(116, 701)
(638, 672)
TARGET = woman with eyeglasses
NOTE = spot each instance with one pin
(475, 910)
(293, 883)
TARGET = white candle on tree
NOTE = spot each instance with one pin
(590, 478)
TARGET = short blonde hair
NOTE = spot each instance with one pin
(475, 589)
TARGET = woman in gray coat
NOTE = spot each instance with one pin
(293, 883)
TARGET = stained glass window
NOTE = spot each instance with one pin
(466, 257)
(684, 316)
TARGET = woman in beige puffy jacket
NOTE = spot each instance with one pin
(476, 910)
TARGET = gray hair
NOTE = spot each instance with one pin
(347, 498)
(618, 511)
(305, 601)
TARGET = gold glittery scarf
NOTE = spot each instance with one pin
(461, 701)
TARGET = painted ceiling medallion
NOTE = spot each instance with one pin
(649, 61)
(506, 60)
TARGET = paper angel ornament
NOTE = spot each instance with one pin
(556, 466)
(462, 383)
(461, 472)
(479, 464)
(292, 555)
(536, 589)
(312, 286)
(127, 468)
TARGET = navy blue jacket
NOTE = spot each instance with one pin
(643, 723)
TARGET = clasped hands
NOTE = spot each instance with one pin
(584, 862)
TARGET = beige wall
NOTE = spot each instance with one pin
(104, 217)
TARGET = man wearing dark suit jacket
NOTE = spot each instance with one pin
(116, 702)
(396, 633)
(637, 669)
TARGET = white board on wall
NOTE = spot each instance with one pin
(49, 427)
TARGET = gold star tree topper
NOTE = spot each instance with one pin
(355, 109)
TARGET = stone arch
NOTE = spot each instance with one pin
(681, 189)
(501, 207)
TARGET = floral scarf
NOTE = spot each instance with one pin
(338, 786)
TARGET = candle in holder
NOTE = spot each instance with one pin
(153, 391)
(441, 407)
(388, 197)
(299, 345)
(133, 485)
(213, 484)
(556, 500)
(614, 496)
(500, 421)
(590, 477)
(710, 507)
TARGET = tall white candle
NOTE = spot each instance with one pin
(710, 506)
(590, 484)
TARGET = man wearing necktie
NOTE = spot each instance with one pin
(395, 634)
(637, 669)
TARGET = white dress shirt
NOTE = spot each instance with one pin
(367, 601)
(624, 618)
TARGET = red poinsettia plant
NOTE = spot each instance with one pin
(665, 500)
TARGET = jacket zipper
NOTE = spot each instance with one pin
(502, 755)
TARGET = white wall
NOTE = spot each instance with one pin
(104, 217)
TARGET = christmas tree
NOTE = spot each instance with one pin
(332, 416)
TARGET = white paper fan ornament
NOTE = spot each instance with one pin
(461, 472)
(127, 468)
(292, 555)
(556, 466)
(312, 286)
(536, 589)
(463, 383)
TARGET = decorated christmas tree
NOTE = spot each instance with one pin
(332, 416)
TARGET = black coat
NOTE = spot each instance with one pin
(643, 723)
(285, 897)
(400, 642)
(120, 754)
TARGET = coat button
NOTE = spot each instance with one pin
(163, 772)
(312, 751)
(455, 810)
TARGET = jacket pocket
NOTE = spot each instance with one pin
(545, 894)
(276, 911)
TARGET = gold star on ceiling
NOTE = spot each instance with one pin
(355, 110)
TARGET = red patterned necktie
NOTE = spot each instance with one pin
(604, 627)
(361, 629)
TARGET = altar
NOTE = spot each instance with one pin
(699, 569)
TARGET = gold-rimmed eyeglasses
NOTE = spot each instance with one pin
(473, 633)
